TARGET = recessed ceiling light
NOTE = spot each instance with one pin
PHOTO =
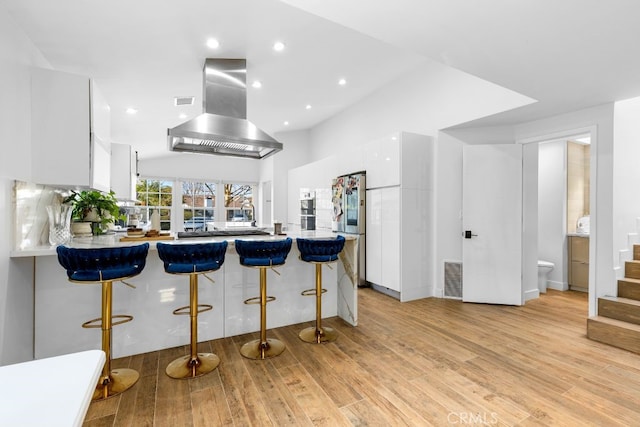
(182, 116)
(131, 110)
(278, 46)
(213, 43)
(308, 107)
(286, 123)
(256, 84)
(342, 82)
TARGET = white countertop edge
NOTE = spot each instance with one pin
(111, 241)
(55, 391)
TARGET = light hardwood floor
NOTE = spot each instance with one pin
(427, 362)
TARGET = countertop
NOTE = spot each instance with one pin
(578, 235)
(112, 240)
(55, 391)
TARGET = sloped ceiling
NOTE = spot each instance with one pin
(568, 54)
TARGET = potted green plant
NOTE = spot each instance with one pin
(95, 206)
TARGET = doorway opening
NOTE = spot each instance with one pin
(532, 188)
(564, 213)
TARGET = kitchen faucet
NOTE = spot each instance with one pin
(248, 204)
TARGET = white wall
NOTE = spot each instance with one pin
(17, 55)
(425, 100)
(200, 167)
(448, 205)
(530, 222)
(552, 201)
(296, 152)
(626, 170)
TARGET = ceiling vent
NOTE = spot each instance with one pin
(223, 128)
(184, 100)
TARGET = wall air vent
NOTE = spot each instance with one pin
(453, 279)
(184, 100)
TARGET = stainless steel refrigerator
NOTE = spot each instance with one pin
(349, 213)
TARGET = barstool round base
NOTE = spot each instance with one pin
(314, 336)
(183, 367)
(121, 379)
(257, 350)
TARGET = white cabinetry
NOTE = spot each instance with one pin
(382, 162)
(383, 244)
(399, 236)
(70, 131)
(123, 171)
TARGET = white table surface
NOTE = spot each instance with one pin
(55, 391)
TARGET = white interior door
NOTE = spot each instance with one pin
(492, 222)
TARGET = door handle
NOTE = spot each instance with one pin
(468, 234)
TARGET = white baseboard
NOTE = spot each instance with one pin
(558, 286)
(531, 294)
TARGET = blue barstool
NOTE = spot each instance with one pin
(319, 252)
(192, 259)
(106, 265)
(262, 254)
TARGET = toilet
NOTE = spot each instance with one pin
(544, 268)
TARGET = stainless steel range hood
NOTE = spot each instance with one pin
(223, 128)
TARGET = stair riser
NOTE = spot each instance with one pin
(619, 311)
(636, 252)
(632, 270)
(629, 290)
(613, 335)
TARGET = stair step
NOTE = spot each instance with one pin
(619, 308)
(629, 288)
(614, 332)
(632, 269)
(636, 252)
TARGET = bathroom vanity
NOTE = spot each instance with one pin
(578, 262)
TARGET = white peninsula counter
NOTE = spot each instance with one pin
(61, 306)
(55, 391)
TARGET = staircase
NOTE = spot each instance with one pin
(618, 319)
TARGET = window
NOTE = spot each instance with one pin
(196, 206)
(238, 204)
(198, 202)
(155, 194)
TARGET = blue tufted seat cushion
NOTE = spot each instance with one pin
(320, 250)
(193, 257)
(263, 253)
(86, 265)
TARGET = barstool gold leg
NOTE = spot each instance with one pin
(317, 334)
(264, 347)
(195, 364)
(111, 382)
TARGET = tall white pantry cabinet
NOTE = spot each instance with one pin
(399, 224)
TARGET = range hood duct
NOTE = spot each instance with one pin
(223, 128)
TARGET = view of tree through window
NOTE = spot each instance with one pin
(198, 202)
(155, 194)
(238, 202)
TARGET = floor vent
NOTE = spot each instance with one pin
(453, 279)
